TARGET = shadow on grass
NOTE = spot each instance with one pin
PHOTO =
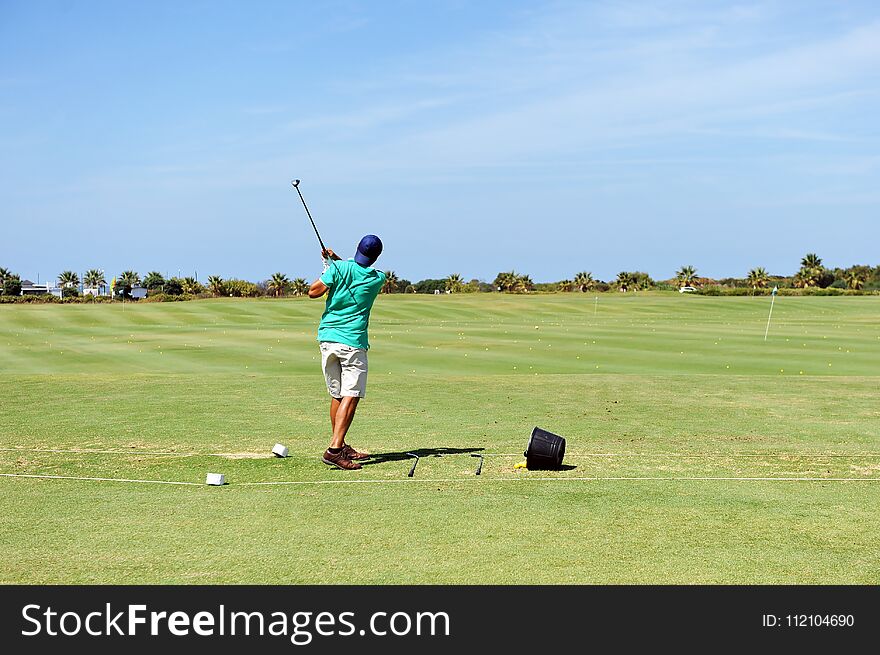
(380, 458)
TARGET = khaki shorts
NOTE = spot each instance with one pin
(345, 369)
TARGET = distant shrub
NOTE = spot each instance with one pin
(29, 299)
(173, 287)
(829, 291)
(241, 289)
(89, 298)
(430, 285)
(165, 297)
(715, 290)
(12, 286)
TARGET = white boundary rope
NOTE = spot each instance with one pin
(87, 451)
(72, 477)
(526, 478)
(523, 478)
(90, 451)
(700, 455)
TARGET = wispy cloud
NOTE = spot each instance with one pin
(549, 89)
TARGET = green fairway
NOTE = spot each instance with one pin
(700, 453)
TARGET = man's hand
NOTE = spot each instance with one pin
(329, 254)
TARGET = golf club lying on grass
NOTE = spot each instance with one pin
(480, 465)
(415, 463)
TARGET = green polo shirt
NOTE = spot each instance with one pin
(353, 288)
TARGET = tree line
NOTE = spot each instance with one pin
(812, 274)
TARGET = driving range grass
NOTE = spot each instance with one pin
(656, 393)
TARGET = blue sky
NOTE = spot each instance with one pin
(473, 137)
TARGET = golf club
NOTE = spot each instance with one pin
(415, 463)
(295, 184)
(480, 465)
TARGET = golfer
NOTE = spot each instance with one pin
(351, 287)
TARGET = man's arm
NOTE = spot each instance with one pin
(317, 289)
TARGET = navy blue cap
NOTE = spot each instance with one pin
(368, 250)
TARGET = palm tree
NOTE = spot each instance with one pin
(299, 286)
(68, 280)
(278, 284)
(811, 260)
(4, 273)
(758, 278)
(565, 285)
(390, 285)
(523, 284)
(128, 278)
(454, 283)
(94, 278)
(584, 281)
(808, 277)
(191, 286)
(854, 280)
(506, 281)
(125, 281)
(686, 276)
(624, 281)
(640, 281)
(153, 280)
(215, 284)
(812, 272)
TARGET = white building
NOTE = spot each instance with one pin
(29, 288)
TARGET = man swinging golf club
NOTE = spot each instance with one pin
(351, 287)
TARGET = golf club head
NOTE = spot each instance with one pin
(295, 183)
(415, 463)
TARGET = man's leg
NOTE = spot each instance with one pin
(342, 418)
(334, 407)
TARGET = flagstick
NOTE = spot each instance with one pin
(596, 310)
(772, 302)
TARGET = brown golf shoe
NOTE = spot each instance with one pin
(352, 454)
(340, 461)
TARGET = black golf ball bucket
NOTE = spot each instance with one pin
(545, 450)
